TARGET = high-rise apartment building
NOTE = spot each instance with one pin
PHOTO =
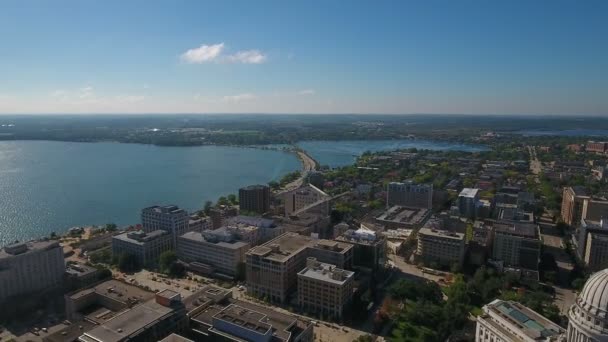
(255, 198)
(573, 200)
(410, 194)
(324, 289)
(443, 247)
(517, 244)
(467, 202)
(272, 268)
(169, 218)
(220, 214)
(30, 267)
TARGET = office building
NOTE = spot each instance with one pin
(517, 244)
(149, 321)
(255, 199)
(410, 194)
(213, 251)
(324, 289)
(267, 228)
(443, 247)
(397, 217)
(272, 268)
(220, 214)
(302, 197)
(169, 218)
(30, 267)
(588, 316)
(146, 247)
(197, 223)
(507, 321)
(596, 146)
(79, 275)
(591, 254)
(369, 246)
(467, 202)
(594, 209)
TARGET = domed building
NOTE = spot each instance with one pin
(589, 315)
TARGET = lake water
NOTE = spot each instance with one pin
(51, 186)
(565, 133)
(341, 153)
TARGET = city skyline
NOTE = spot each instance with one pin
(315, 57)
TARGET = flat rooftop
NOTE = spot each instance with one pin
(527, 230)
(21, 248)
(117, 290)
(468, 192)
(199, 237)
(127, 323)
(445, 234)
(287, 245)
(79, 269)
(140, 237)
(326, 273)
(405, 215)
(529, 322)
(282, 325)
(175, 338)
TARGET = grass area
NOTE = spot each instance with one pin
(476, 311)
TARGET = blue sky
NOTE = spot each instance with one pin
(479, 57)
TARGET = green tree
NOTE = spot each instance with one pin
(166, 261)
(111, 227)
(232, 198)
(128, 263)
(207, 207)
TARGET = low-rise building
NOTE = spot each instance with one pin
(213, 251)
(272, 268)
(507, 321)
(596, 146)
(324, 289)
(146, 247)
(403, 217)
(30, 267)
(149, 321)
(79, 275)
(410, 194)
(198, 223)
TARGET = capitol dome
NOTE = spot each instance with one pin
(589, 314)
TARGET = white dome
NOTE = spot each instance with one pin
(594, 296)
(589, 314)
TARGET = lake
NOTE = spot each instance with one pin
(564, 133)
(50, 186)
(341, 153)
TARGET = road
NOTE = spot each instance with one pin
(308, 164)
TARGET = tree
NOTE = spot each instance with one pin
(232, 198)
(111, 227)
(166, 260)
(273, 185)
(128, 263)
(207, 207)
(222, 201)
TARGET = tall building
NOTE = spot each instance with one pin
(169, 218)
(573, 199)
(146, 247)
(216, 251)
(369, 245)
(443, 247)
(467, 202)
(255, 198)
(410, 194)
(517, 244)
(324, 289)
(220, 214)
(303, 197)
(30, 267)
(272, 268)
(588, 316)
(595, 210)
(507, 321)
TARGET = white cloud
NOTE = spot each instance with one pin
(214, 54)
(247, 57)
(130, 98)
(239, 97)
(58, 93)
(203, 54)
(86, 93)
(307, 92)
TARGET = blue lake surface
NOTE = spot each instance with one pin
(564, 133)
(341, 153)
(51, 186)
